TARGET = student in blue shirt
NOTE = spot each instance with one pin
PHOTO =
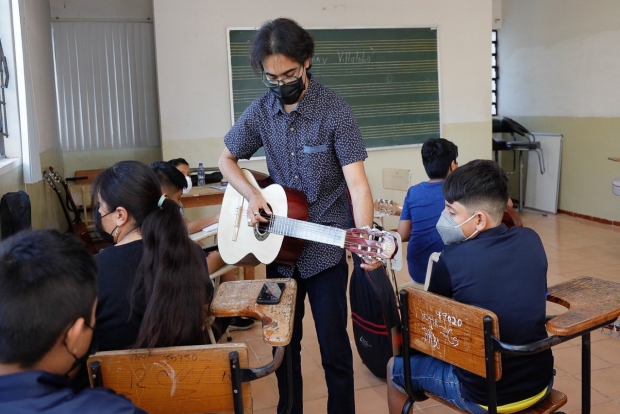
(48, 294)
(424, 204)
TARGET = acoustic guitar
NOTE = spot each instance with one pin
(281, 239)
(76, 225)
(387, 207)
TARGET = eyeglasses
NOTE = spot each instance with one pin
(272, 83)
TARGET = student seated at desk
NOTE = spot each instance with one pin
(155, 276)
(423, 206)
(48, 294)
(486, 265)
(172, 184)
(193, 226)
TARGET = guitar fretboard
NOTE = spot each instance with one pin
(307, 231)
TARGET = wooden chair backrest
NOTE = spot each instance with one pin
(188, 379)
(89, 174)
(450, 331)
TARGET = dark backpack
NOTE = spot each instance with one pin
(374, 313)
(14, 213)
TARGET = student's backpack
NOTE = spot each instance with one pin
(14, 213)
(374, 313)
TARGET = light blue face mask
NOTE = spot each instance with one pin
(450, 232)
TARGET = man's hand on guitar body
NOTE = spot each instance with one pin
(257, 209)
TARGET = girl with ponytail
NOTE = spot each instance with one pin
(154, 286)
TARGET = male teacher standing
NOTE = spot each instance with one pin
(313, 144)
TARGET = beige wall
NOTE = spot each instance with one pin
(192, 65)
(559, 71)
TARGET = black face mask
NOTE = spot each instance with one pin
(289, 94)
(92, 349)
(105, 236)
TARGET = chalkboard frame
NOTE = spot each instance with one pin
(371, 143)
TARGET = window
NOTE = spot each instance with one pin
(4, 83)
(494, 72)
(106, 85)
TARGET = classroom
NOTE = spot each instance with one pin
(558, 70)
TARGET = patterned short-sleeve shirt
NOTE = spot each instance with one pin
(305, 150)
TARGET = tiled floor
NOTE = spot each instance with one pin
(575, 247)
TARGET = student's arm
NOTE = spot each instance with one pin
(195, 226)
(231, 170)
(404, 230)
(361, 201)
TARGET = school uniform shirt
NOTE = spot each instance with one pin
(117, 324)
(423, 206)
(43, 392)
(305, 150)
(504, 271)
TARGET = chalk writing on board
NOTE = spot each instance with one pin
(318, 60)
(353, 57)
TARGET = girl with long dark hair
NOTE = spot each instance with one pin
(154, 286)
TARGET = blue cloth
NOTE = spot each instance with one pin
(42, 392)
(327, 294)
(305, 150)
(504, 271)
(423, 206)
(439, 378)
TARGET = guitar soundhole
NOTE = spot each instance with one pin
(262, 235)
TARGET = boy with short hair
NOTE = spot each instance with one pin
(423, 206)
(483, 265)
(48, 292)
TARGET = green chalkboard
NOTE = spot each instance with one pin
(387, 76)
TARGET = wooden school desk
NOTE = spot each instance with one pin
(592, 303)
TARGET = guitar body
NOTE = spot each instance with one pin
(241, 244)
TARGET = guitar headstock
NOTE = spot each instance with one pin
(50, 181)
(56, 176)
(387, 207)
(371, 243)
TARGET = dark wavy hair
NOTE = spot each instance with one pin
(280, 37)
(171, 277)
(169, 176)
(48, 280)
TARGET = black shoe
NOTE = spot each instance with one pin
(240, 324)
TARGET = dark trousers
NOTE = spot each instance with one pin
(328, 301)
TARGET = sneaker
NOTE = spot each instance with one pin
(240, 324)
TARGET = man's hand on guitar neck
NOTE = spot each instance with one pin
(370, 264)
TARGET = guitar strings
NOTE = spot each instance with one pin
(286, 223)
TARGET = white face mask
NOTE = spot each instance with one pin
(189, 185)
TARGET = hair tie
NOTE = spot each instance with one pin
(161, 201)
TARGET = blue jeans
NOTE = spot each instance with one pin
(437, 377)
(327, 292)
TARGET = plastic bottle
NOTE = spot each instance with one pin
(201, 175)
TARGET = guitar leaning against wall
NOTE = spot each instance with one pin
(76, 226)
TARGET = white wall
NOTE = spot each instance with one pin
(192, 65)
(559, 70)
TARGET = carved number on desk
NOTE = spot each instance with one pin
(443, 322)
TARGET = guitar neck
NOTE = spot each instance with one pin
(307, 231)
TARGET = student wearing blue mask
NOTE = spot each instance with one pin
(483, 265)
(48, 295)
(313, 144)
